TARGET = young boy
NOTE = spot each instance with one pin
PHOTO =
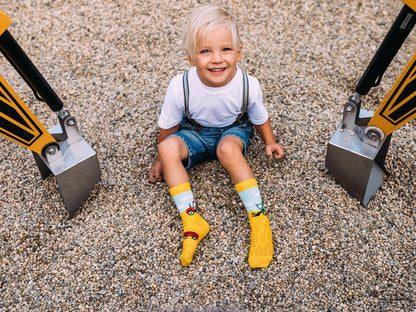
(203, 118)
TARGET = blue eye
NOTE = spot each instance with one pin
(227, 49)
(204, 51)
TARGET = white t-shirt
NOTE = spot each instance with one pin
(212, 107)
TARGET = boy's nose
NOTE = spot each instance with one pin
(217, 56)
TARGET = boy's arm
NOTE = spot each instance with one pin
(156, 172)
(272, 147)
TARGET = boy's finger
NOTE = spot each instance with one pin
(152, 176)
(278, 155)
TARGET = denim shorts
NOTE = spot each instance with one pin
(202, 143)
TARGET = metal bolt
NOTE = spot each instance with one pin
(71, 123)
(356, 97)
(349, 108)
(51, 150)
(63, 113)
(373, 136)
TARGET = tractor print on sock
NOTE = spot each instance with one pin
(194, 235)
(192, 209)
(261, 211)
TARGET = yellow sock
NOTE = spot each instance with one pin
(195, 228)
(261, 247)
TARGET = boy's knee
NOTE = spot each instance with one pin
(228, 149)
(222, 150)
(165, 147)
(169, 147)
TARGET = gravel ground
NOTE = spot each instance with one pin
(110, 62)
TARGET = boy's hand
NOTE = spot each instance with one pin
(272, 147)
(156, 173)
(276, 150)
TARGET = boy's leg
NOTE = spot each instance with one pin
(171, 152)
(230, 154)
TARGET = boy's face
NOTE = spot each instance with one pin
(217, 59)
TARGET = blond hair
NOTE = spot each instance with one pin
(202, 21)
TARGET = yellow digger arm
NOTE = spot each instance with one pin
(61, 151)
(357, 151)
(399, 105)
(17, 122)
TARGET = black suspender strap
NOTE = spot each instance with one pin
(245, 92)
(186, 93)
(245, 96)
(186, 98)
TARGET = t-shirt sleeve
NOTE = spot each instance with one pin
(172, 110)
(256, 110)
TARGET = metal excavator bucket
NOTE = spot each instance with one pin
(73, 163)
(61, 151)
(358, 149)
(358, 165)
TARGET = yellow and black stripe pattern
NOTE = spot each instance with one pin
(411, 4)
(399, 106)
(18, 123)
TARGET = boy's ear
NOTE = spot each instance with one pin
(191, 61)
(240, 47)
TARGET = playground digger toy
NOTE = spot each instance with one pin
(358, 149)
(61, 151)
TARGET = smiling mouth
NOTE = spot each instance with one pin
(216, 70)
